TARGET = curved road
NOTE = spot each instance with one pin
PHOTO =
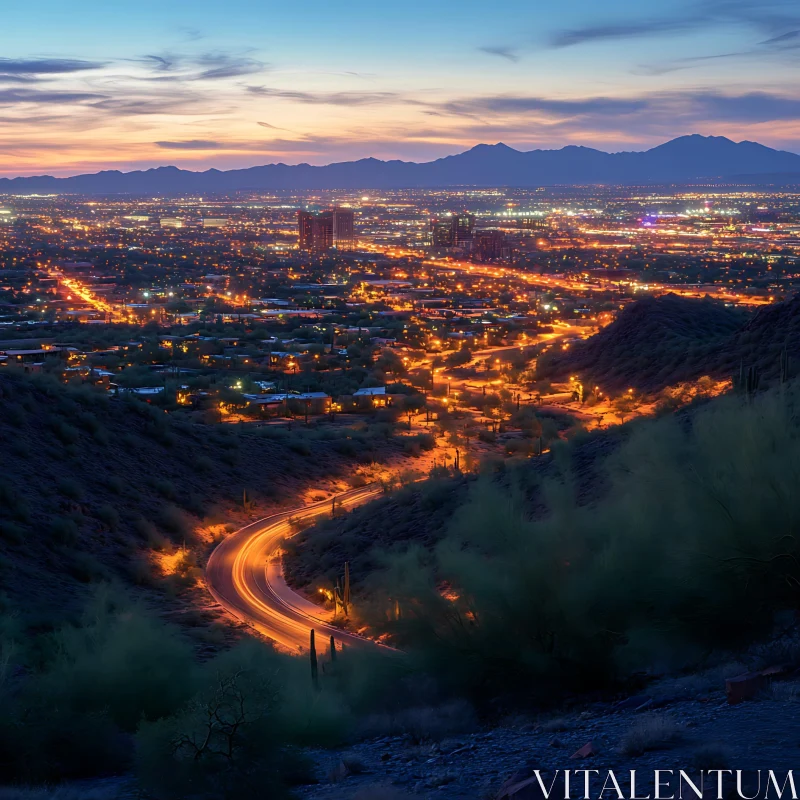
(244, 575)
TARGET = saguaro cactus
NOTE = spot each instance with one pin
(346, 587)
(333, 650)
(312, 653)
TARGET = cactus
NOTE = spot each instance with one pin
(784, 366)
(748, 380)
(312, 652)
(346, 587)
(333, 650)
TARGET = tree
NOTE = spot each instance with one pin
(625, 405)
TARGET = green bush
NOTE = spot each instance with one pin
(691, 547)
(71, 489)
(63, 530)
(109, 516)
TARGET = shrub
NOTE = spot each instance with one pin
(109, 516)
(115, 484)
(120, 662)
(65, 433)
(174, 521)
(11, 532)
(71, 489)
(565, 594)
(63, 530)
(650, 732)
(230, 739)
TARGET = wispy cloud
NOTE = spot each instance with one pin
(10, 97)
(774, 18)
(328, 98)
(501, 51)
(45, 66)
(191, 144)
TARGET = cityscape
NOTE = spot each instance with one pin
(399, 404)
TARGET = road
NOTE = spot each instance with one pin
(244, 575)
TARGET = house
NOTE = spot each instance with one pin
(304, 403)
(371, 397)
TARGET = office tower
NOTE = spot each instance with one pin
(463, 226)
(344, 236)
(491, 245)
(454, 230)
(442, 232)
(321, 231)
(305, 225)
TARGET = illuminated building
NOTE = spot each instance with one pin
(212, 222)
(491, 245)
(454, 230)
(171, 222)
(320, 231)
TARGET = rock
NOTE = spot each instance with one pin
(528, 789)
(554, 742)
(632, 702)
(339, 772)
(586, 751)
(743, 687)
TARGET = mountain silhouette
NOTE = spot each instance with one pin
(687, 159)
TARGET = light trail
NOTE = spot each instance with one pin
(245, 576)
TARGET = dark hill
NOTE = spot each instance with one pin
(655, 342)
(90, 484)
(759, 343)
(682, 160)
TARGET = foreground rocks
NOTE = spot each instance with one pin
(685, 724)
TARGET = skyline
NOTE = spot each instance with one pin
(95, 88)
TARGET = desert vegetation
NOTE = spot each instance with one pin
(534, 586)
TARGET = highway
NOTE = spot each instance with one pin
(245, 576)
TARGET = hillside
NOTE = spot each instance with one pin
(89, 485)
(421, 514)
(655, 342)
(759, 343)
(682, 160)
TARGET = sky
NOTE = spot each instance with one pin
(88, 85)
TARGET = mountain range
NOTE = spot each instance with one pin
(687, 159)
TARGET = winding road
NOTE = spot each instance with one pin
(245, 576)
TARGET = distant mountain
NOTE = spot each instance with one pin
(684, 160)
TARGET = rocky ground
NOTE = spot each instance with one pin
(679, 724)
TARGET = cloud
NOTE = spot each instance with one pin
(191, 144)
(221, 65)
(10, 97)
(509, 104)
(327, 98)
(501, 51)
(45, 66)
(206, 67)
(623, 30)
(772, 17)
(274, 127)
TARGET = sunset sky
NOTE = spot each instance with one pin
(88, 85)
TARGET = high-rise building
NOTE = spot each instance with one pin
(344, 228)
(491, 245)
(442, 232)
(454, 230)
(320, 231)
(463, 227)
